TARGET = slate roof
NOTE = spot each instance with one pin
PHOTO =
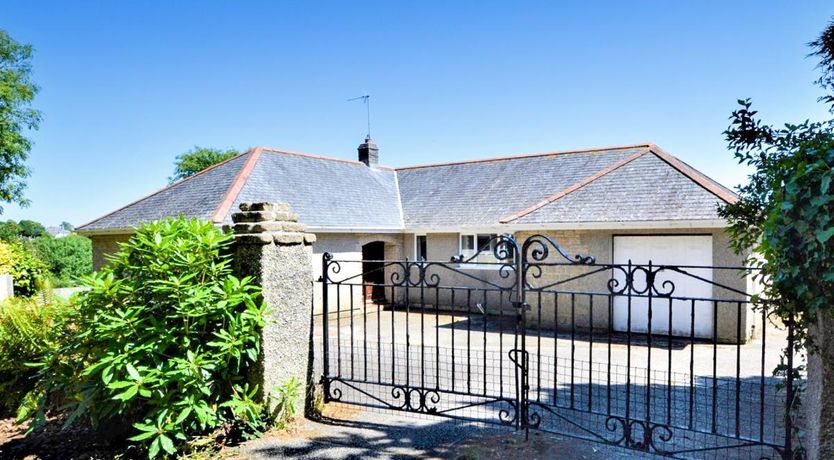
(325, 192)
(645, 189)
(481, 192)
(196, 196)
(618, 184)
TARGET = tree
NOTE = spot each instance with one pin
(786, 211)
(16, 117)
(31, 229)
(10, 230)
(786, 215)
(198, 159)
(68, 258)
(66, 226)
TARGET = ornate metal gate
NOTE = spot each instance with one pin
(522, 335)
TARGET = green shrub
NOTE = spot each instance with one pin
(166, 337)
(31, 229)
(27, 331)
(286, 398)
(26, 269)
(10, 230)
(68, 258)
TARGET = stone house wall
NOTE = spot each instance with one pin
(104, 245)
(575, 309)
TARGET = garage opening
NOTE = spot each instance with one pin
(685, 251)
(373, 269)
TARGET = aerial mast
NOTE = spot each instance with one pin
(366, 99)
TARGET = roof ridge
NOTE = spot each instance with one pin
(602, 172)
(237, 185)
(320, 157)
(710, 184)
(308, 155)
(646, 145)
(167, 187)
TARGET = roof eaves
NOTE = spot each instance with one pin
(234, 190)
(106, 231)
(644, 145)
(170, 186)
(574, 187)
(696, 176)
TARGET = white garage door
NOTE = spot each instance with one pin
(666, 250)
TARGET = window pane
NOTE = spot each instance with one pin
(421, 247)
(484, 242)
(467, 242)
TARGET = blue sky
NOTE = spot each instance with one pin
(126, 86)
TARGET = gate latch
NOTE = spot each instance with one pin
(522, 305)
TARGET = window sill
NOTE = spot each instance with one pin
(476, 266)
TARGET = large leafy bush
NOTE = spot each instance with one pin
(166, 336)
(27, 331)
(68, 258)
(26, 269)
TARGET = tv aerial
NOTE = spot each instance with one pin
(366, 99)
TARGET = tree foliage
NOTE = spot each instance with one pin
(10, 230)
(164, 339)
(68, 258)
(198, 159)
(786, 211)
(17, 91)
(31, 229)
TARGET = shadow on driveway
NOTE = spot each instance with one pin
(349, 434)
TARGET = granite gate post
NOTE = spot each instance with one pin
(274, 248)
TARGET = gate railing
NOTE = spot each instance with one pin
(645, 356)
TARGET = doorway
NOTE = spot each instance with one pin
(373, 271)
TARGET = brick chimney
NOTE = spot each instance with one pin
(368, 152)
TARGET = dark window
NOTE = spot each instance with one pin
(420, 247)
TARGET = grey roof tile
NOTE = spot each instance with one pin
(324, 192)
(646, 189)
(481, 193)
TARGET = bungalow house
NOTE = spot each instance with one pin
(634, 202)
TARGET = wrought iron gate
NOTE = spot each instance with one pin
(522, 335)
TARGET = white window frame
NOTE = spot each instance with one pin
(486, 265)
(417, 246)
